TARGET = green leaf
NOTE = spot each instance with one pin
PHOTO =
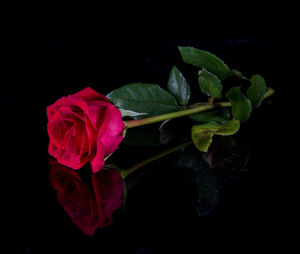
(257, 90)
(130, 113)
(144, 98)
(238, 74)
(202, 134)
(202, 140)
(241, 106)
(179, 87)
(210, 84)
(218, 115)
(204, 59)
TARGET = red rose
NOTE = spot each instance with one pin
(83, 127)
(91, 202)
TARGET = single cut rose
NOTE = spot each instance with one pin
(83, 127)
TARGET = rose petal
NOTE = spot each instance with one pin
(65, 158)
(89, 94)
(92, 135)
(98, 113)
(57, 128)
(111, 137)
(85, 146)
(80, 103)
(98, 161)
(73, 138)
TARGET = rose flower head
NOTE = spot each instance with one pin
(83, 127)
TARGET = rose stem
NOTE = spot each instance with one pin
(190, 110)
(126, 172)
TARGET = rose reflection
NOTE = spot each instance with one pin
(90, 203)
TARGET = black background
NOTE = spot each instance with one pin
(257, 217)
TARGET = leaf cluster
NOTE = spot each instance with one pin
(140, 100)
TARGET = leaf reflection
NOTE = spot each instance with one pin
(89, 202)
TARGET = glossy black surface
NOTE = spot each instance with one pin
(256, 209)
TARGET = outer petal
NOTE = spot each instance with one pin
(89, 94)
(79, 100)
(111, 137)
(57, 129)
(97, 113)
(98, 161)
(65, 158)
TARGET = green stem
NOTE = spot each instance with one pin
(126, 172)
(189, 111)
(160, 118)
